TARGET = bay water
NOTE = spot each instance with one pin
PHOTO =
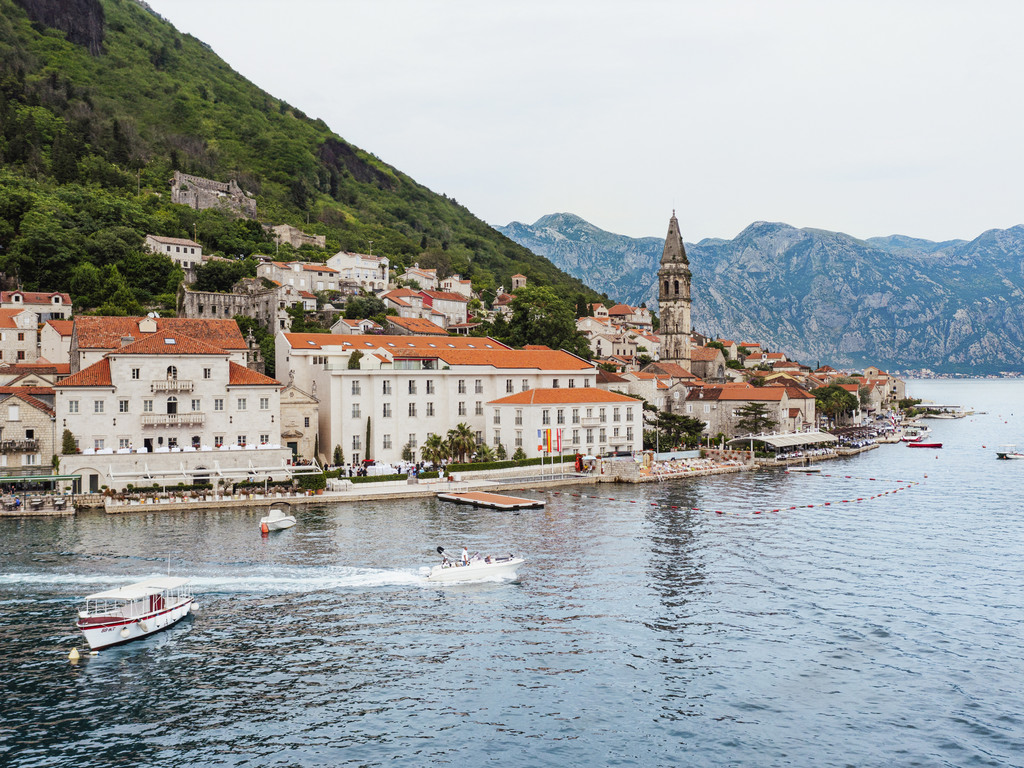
(656, 625)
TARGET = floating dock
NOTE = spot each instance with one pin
(490, 500)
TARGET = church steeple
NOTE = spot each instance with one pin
(675, 251)
(674, 298)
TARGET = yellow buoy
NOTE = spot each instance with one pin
(73, 656)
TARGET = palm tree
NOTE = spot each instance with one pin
(461, 440)
(484, 452)
(434, 449)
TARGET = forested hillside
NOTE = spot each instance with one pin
(101, 100)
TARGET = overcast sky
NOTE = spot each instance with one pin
(871, 118)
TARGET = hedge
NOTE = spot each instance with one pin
(511, 463)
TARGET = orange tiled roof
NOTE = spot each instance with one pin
(34, 402)
(96, 375)
(564, 397)
(239, 375)
(673, 370)
(35, 297)
(40, 391)
(417, 325)
(63, 327)
(704, 354)
(445, 296)
(95, 332)
(168, 343)
(7, 319)
(621, 309)
(347, 342)
(539, 359)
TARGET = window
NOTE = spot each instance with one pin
(629, 413)
(386, 441)
(97, 444)
(572, 383)
(497, 437)
(602, 435)
(508, 386)
(615, 432)
(122, 443)
(430, 409)
(575, 437)
(218, 403)
(196, 405)
(21, 336)
(412, 410)
(30, 434)
(387, 410)
(147, 406)
(519, 439)
(430, 387)
(560, 416)
(545, 416)
(21, 354)
(172, 404)
(264, 403)
(264, 439)
(218, 441)
(32, 459)
(355, 458)
(615, 414)
(689, 407)
(355, 410)
(135, 373)
(462, 408)
(526, 384)
(519, 417)
(479, 437)
(707, 407)
(575, 415)
(412, 441)
(554, 383)
(478, 387)
(412, 387)
(122, 406)
(305, 422)
(241, 440)
(479, 408)
(386, 387)
(172, 442)
(356, 388)
(629, 433)
(97, 406)
(602, 414)
(72, 406)
(590, 437)
(497, 416)
(172, 373)
(241, 403)
(462, 386)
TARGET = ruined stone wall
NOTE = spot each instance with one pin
(199, 193)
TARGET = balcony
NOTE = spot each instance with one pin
(19, 446)
(591, 422)
(172, 385)
(194, 419)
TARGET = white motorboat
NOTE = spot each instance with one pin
(277, 520)
(124, 614)
(1008, 452)
(478, 568)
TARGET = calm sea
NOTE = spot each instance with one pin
(645, 630)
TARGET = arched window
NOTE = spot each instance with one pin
(675, 284)
(172, 373)
(172, 404)
(666, 287)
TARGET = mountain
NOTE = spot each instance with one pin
(899, 302)
(102, 100)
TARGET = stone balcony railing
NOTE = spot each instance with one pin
(193, 419)
(591, 422)
(172, 385)
(19, 446)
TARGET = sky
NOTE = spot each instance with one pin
(870, 118)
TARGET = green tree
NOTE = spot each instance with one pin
(461, 441)
(353, 360)
(434, 449)
(67, 443)
(541, 316)
(339, 456)
(834, 401)
(484, 453)
(519, 455)
(754, 418)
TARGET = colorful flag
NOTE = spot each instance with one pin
(540, 440)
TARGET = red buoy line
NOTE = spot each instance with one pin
(900, 485)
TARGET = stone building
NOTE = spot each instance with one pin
(300, 422)
(674, 298)
(295, 237)
(199, 193)
(28, 434)
(249, 297)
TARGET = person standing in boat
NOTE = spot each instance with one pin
(465, 556)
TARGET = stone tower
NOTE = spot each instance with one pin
(674, 298)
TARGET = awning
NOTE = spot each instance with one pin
(787, 440)
(37, 478)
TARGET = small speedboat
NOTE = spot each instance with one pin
(1008, 452)
(277, 520)
(924, 445)
(127, 613)
(477, 569)
(805, 470)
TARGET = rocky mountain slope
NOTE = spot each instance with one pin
(899, 302)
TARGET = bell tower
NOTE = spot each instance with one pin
(674, 298)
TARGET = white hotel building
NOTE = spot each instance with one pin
(169, 408)
(407, 387)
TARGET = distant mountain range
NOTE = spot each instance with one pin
(898, 302)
